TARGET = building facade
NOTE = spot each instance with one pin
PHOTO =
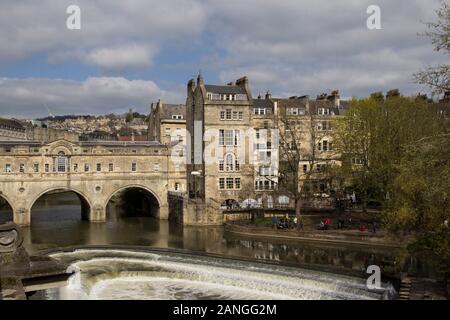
(95, 171)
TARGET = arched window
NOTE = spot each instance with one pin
(229, 159)
(61, 162)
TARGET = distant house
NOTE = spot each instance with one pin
(167, 122)
(98, 135)
(12, 130)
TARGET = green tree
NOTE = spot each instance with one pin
(420, 201)
(371, 137)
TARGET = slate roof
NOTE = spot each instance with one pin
(233, 89)
(262, 103)
(173, 109)
(11, 124)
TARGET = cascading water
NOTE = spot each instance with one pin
(123, 274)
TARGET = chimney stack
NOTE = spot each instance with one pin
(335, 98)
(190, 86)
(393, 93)
(243, 82)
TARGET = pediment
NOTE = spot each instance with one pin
(61, 145)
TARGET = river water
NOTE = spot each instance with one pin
(303, 270)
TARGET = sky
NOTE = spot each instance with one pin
(131, 53)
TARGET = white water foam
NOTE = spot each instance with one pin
(122, 274)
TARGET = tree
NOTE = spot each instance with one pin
(371, 136)
(297, 145)
(420, 201)
(438, 78)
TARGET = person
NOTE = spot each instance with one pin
(341, 223)
(446, 223)
(362, 227)
(274, 221)
(301, 224)
(374, 226)
(321, 225)
(327, 223)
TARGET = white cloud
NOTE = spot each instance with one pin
(107, 28)
(96, 95)
(286, 46)
(119, 58)
(309, 46)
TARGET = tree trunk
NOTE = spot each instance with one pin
(364, 201)
(298, 211)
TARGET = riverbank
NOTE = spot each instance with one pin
(352, 237)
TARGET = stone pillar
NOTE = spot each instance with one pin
(98, 214)
(164, 212)
(22, 216)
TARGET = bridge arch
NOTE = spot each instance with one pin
(9, 216)
(131, 186)
(152, 200)
(86, 204)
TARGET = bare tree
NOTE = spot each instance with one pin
(438, 78)
(297, 145)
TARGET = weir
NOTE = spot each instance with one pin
(163, 274)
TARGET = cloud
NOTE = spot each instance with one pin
(96, 95)
(305, 47)
(131, 56)
(107, 29)
(286, 46)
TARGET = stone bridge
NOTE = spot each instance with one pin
(95, 171)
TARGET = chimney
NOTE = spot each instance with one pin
(377, 96)
(335, 98)
(243, 82)
(392, 93)
(322, 96)
(199, 79)
(190, 86)
(304, 99)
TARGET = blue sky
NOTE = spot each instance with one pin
(130, 53)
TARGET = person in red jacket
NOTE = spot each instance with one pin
(362, 227)
(327, 223)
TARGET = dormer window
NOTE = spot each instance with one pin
(227, 97)
(177, 117)
(323, 111)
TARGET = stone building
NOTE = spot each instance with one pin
(167, 123)
(12, 130)
(95, 171)
(45, 134)
(238, 161)
(307, 124)
(218, 117)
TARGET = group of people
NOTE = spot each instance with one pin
(325, 224)
(287, 223)
(341, 224)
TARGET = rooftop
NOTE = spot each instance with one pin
(225, 89)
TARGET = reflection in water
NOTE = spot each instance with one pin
(56, 222)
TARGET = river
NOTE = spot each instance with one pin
(56, 223)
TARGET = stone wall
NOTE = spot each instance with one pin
(193, 212)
